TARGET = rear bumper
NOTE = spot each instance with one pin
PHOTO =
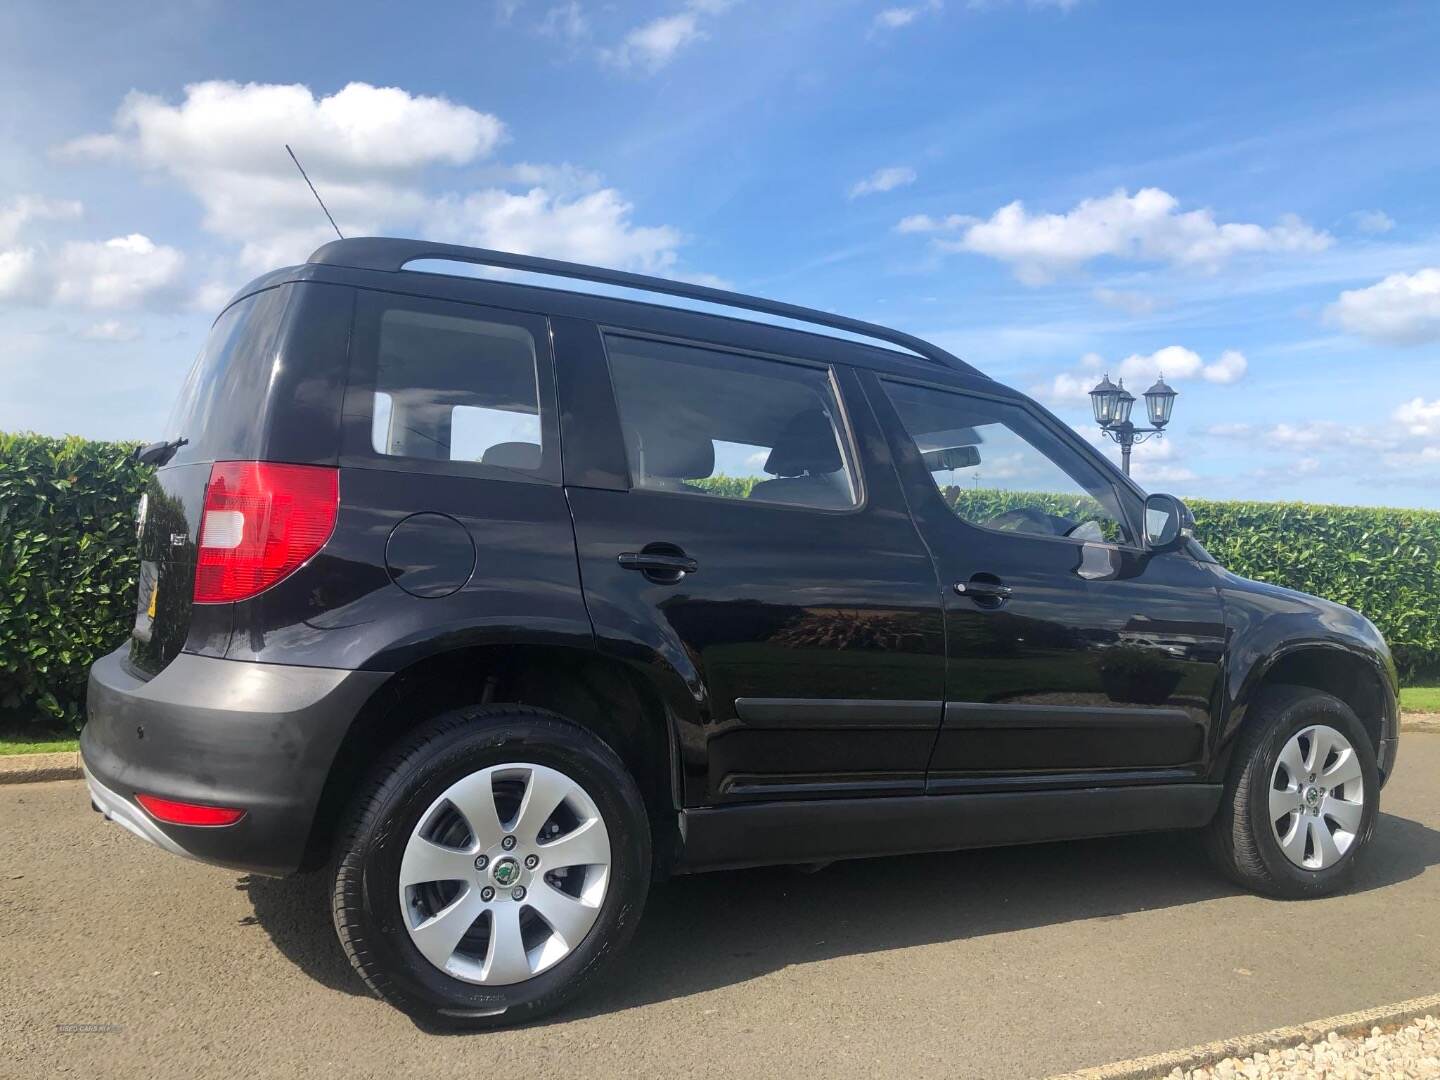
(260, 737)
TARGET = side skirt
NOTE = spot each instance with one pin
(759, 834)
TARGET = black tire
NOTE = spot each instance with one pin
(1241, 841)
(365, 899)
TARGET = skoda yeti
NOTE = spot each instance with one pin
(495, 602)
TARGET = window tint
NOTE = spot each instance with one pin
(449, 388)
(997, 467)
(229, 380)
(712, 423)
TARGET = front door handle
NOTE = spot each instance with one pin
(984, 587)
(650, 562)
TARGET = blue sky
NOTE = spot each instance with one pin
(1243, 195)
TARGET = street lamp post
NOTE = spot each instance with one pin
(1112, 405)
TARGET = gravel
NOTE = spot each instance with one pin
(1411, 1051)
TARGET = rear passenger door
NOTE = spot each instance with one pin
(749, 536)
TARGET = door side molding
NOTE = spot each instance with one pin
(838, 712)
(984, 739)
(759, 834)
(973, 714)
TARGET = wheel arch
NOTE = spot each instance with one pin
(1347, 673)
(610, 698)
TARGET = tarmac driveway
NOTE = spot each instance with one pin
(1003, 963)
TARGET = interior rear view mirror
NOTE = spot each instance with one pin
(951, 457)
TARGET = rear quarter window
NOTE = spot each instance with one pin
(437, 386)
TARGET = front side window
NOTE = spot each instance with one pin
(450, 388)
(715, 424)
(998, 467)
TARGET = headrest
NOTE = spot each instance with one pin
(512, 455)
(677, 455)
(807, 445)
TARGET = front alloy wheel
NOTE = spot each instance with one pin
(1317, 797)
(1300, 801)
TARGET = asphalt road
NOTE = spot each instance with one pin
(1003, 963)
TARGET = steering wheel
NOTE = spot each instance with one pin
(1038, 521)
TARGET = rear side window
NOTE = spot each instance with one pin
(449, 388)
(709, 423)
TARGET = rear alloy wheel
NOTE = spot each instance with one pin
(493, 865)
(505, 873)
(1301, 798)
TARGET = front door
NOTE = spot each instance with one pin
(1075, 656)
(763, 558)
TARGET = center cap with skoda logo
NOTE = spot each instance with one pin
(505, 872)
(1312, 796)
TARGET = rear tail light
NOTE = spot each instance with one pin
(262, 521)
(174, 812)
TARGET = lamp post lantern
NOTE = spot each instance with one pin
(1112, 404)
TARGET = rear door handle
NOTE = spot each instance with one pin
(652, 563)
(989, 590)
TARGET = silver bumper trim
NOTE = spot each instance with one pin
(128, 815)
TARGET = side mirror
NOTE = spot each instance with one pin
(1168, 523)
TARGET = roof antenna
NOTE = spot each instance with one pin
(313, 191)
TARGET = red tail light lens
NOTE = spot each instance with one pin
(174, 812)
(261, 522)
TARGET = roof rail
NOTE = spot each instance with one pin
(391, 254)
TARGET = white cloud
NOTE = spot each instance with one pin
(653, 45)
(1231, 430)
(564, 179)
(1132, 303)
(593, 228)
(1412, 456)
(924, 223)
(1311, 434)
(1420, 417)
(1175, 362)
(24, 271)
(122, 272)
(894, 18)
(1156, 477)
(1229, 368)
(565, 21)
(1147, 227)
(23, 209)
(1373, 221)
(110, 330)
(886, 179)
(1403, 309)
(355, 131)
(17, 274)
(364, 146)
(371, 152)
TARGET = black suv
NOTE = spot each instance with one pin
(498, 602)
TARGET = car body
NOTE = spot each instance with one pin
(838, 665)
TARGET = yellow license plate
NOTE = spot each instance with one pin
(154, 592)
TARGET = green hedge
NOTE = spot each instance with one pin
(68, 564)
(1383, 563)
(67, 569)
